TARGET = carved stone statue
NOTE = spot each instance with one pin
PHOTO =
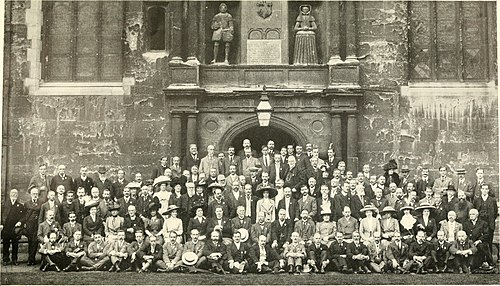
(223, 26)
(305, 39)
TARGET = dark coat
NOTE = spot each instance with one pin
(87, 184)
(11, 214)
(67, 182)
(238, 255)
(430, 229)
(90, 226)
(226, 226)
(194, 223)
(293, 208)
(479, 231)
(417, 249)
(31, 215)
(281, 234)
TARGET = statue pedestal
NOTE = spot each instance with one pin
(264, 32)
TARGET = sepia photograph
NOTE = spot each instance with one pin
(249, 142)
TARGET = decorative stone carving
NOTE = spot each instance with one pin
(305, 40)
(223, 26)
(264, 9)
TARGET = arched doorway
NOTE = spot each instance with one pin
(260, 136)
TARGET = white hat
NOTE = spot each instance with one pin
(189, 258)
(244, 234)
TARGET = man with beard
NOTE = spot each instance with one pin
(462, 184)
(463, 250)
(478, 231)
(84, 181)
(462, 207)
(52, 254)
(420, 253)
(48, 226)
(102, 182)
(12, 215)
(31, 224)
(294, 178)
(357, 253)
(105, 203)
(132, 223)
(216, 253)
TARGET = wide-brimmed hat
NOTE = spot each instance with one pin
(368, 208)
(272, 192)
(388, 209)
(424, 206)
(451, 188)
(391, 165)
(161, 180)
(461, 171)
(113, 207)
(244, 234)
(101, 170)
(133, 185)
(189, 258)
(169, 209)
(405, 168)
(407, 208)
(153, 206)
(215, 186)
(323, 212)
(253, 169)
(90, 204)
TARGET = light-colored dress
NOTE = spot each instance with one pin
(367, 227)
(268, 207)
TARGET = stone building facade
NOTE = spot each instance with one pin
(120, 83)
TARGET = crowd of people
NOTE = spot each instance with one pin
(289, 210)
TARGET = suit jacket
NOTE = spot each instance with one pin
(399, 254)
(76, 247)
(273, 172)
(467, 244)
(256, 230)
(90, 226)
(357, 204)
(45, 207)
(340, 201)
(65, 208)
(281, 233)
(207, 163)
(11, 214)
(194, 223)
(430, 229)
(445, 228)
(293, 208)
(235, 161)
(309, 204)
(124, 205)
(158, 171)
(354, 249)
(421, 185)
(306, 230)
(303, 162)
(210, 248)
(233, 203)
(156, 252)
(68, 230)
(37, 182)
(67, 182)
(347, 227)
(32, 212)
(215, 204)
(117, 189)
(188, 161)
(226, 226)
(196, 248)
(296, 248)
(237, 224)
(440, 251)
(294, 179)
(377, 252)
(476, 189)
(238, 255)
(86, 183)
(254, 182)
(336, 249)
(465, 186)
(123, 248)
(488, 210)
(103, 185)
(314, 252)
(270, 163)
(254, 254)
(95, 249)
(136, 224)
(45, 228)
(247, 163)
(479, 231)
(440, 185)
(423, 249)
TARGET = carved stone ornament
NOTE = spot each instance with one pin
(264, 9)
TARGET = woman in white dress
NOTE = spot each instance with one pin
(368, 225)
(172, 223)
(164, 193)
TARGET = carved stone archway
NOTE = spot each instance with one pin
(251, 122)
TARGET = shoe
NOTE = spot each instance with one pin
(140, 271)
(112, 268)
(397, 271)
(118, 269)
(290, 269)
(30, 263)
(44, 268)
(161, 270)
(423, 271)
(67, 268)
(297, 269)
(88, 268)
(366, 270)
(322, 271)
(460, 270)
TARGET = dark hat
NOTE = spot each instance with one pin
(149, 182)
(461, 171)
(405, 168)
(201, 183)
(176, 181)
(91, 204)
(170, 208)
(153, 206)
(451, 188)
(424, 206)
(196, 207)
(114, 206)
(323, 212)
(272, 192)
(215, 186)
(391, 165)
(102, 170)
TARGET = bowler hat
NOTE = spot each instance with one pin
(102, 170)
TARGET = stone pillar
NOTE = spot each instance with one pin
(191, 129)
(352, 142)
(336, 130)
(333, 32)
(175, 148)
(192, 23)
(351, 14)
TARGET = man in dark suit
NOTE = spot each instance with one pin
(102, 182)
(486, 205)
(250, 203)
(478, 183)
(478, 232)
(160, 169)
(231, 159)
(294, 178)
(12, 215)
(240, 220)
(151, 254)
(238, 254)
(281, 230)
(119, 185)
(338, 252)
(234, 198)
(32, 208)
(307, 202)
(305, 227)
(341, 200)
(41, 180)
(50, 204)
(125, 202)
(263, 257)
(462, 184)
(266, 161)
(290, 205)
(397, 255)
(220, 223)
(76, 251)
(132, 223)
(261, 227)
(191, 159)
(62, 179)
(216, 253)
(48, 226)
(68, 205)
(277, 170)
(420, 253)
(440, 252)
(84, 181)
(303, 162)
(424, 182)
(357, 254)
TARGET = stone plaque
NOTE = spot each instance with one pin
(261, 52)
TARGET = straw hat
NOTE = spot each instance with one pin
(244, 234)
(169, 209)
(424, 206)
(189, 258)
(161, 180)
(388, 209)
(368, 208)
(407, 208)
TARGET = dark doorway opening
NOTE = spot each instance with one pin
(260, 136)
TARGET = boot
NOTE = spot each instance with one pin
(290, 269)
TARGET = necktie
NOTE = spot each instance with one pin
(265, 161)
